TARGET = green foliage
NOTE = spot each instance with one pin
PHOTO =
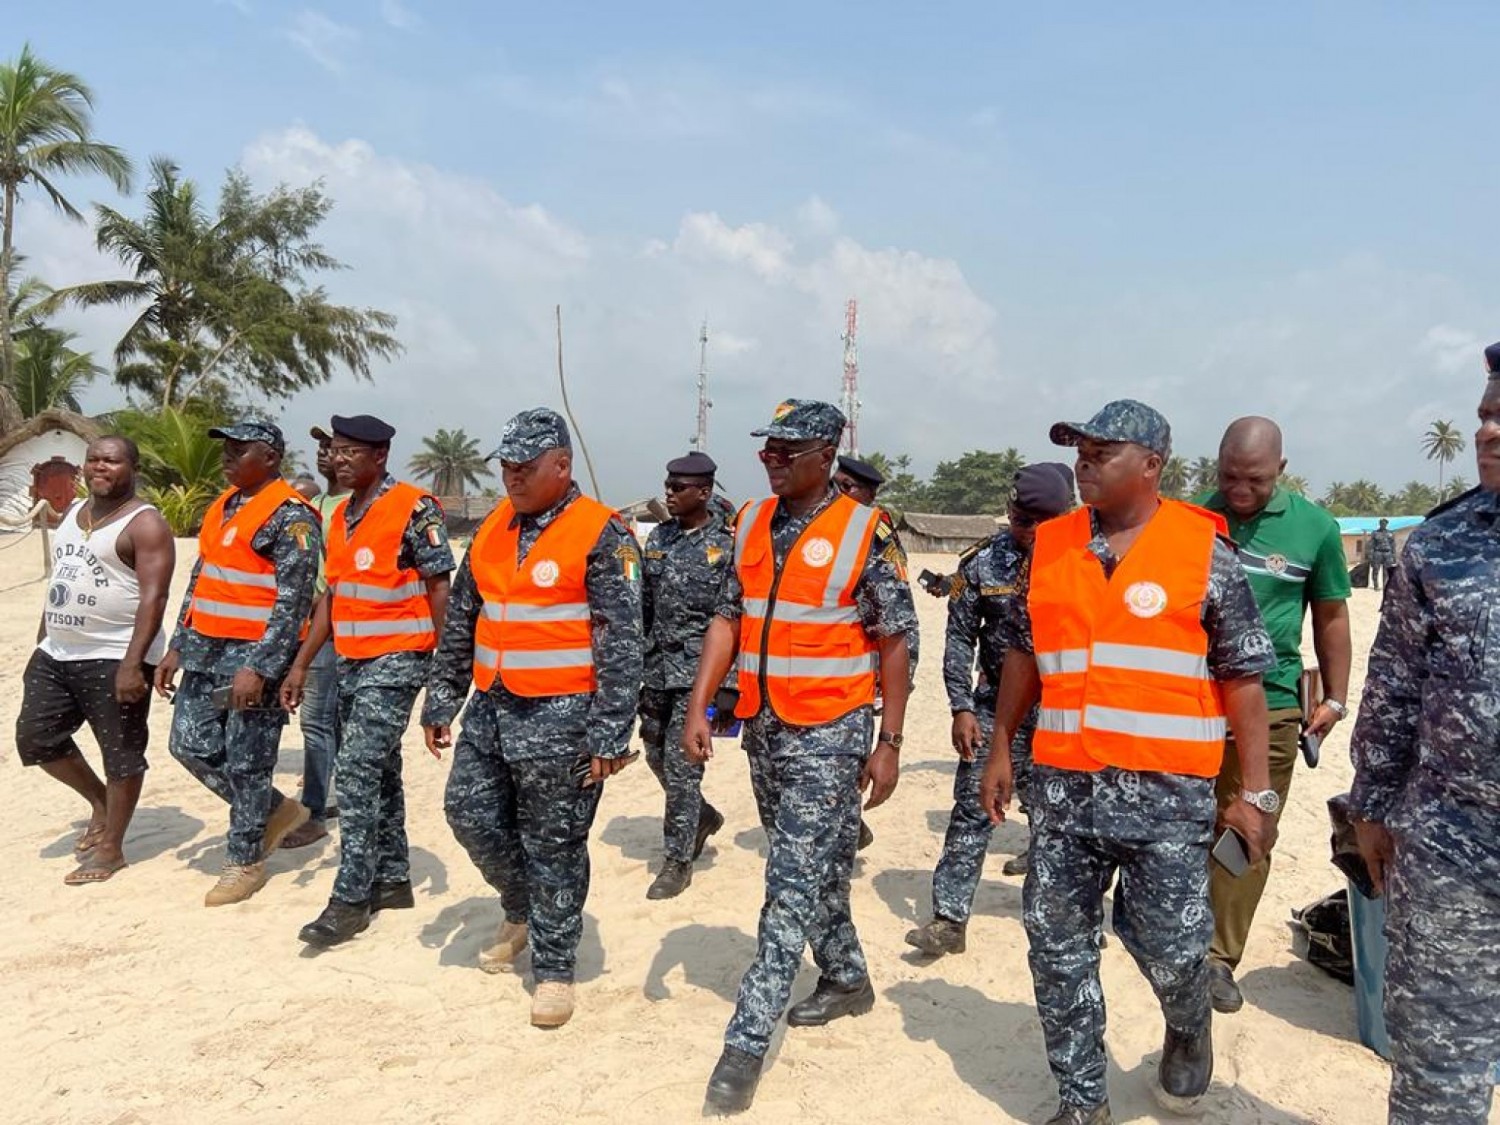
(181, 506)
(181, 466)
(1295, 484)
(978, 482)
(902, 491)
(48, 373)
(1442, 443)
(450, 463)
(1177, 478)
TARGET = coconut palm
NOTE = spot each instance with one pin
(1442, 443)
(1176, 476)
(1294, 484)
(450, 462)
(48, 373)
(45, 131)
(1204, 472)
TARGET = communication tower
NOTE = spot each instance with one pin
(850, 400)
(705, 404)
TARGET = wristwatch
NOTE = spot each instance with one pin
(1336, 707)
(892, 740)
(1265, 800)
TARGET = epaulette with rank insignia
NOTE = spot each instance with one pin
(973, 549)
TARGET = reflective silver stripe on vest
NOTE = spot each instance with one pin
(530, 614)
(1147, 658)
(238, 577)
(1144, 724)
(1063, 660)
(486, 657)
(360, 592)
(805, 614)
(232, 609)
(1057, 722)
(382, 628)
(742, 530)
(847, 557)
(809, 667)
(549, 658)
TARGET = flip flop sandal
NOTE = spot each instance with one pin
(88, 839)
(86, 873)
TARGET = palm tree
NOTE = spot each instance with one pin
(1205, 474)
(1442, 443)
(49, 374)
(1365, 498)
(1294, 484)
(451, 462)
(45, 131)
(1175, 477)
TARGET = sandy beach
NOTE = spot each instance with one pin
(130, 1002)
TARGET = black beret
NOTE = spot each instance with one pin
(363, 428)
(861, 470)
(1492, 360)
(1045, 489)
(695, 464)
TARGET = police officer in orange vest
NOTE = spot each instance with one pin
(1141, 636)
(241, 622)
(817, 593)
(388, 567)
(545, 618)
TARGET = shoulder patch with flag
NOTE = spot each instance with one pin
(301, 531)
(630, 562)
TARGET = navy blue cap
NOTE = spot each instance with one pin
(861, 470)
(1123, 420)
(1045, 489)
(694, 464)
(363, 428)
(251, 431)
(804, 419)
(1492, 360)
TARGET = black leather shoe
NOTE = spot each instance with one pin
(672, 880)
(866, 837)
(829, 1001)
(1222, 990)
(1187, 1062)
(338, 923)
(1082, 1115)
(731, 1087)
(392, 896)
(710, 820)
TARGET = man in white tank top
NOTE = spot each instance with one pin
(99, 641)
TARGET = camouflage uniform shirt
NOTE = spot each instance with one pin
(683, 572)
(546, 726)
(990, 577)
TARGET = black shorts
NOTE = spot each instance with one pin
(61, 695)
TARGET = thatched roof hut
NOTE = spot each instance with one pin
(41, 458)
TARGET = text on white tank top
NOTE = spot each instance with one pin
(92, 597)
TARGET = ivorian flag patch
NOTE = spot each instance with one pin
(630, 563)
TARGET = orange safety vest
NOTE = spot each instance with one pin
(236, 586)
(379, 606)
(1124, 660)
(800, 633)
(533, 629)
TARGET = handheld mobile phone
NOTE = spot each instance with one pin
(1231, 854)
(220, 698)
(1310, 744)
(927, 578)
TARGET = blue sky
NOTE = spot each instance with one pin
(1278, 209)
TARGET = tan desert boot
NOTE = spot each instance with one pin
(552, 1003)
(284, 818)
(236, 883)
(507, 946)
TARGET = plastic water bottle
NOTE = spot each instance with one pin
(732, 732)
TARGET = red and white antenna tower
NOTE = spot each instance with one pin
(705, 404)
(850, 400)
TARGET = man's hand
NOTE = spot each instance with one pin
(438, 739)
(600, 768)
(166, 673)
(245, 689)
(1322, 720)
(1377, 847)
(997, 784)
(697, 740)
(292, 688)
(880, 774)
(1256, 828)
(130, 683)
(966, 735)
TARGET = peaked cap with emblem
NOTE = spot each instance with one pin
(804, 419)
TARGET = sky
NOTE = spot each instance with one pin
(1279, 209)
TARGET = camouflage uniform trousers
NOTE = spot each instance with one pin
(663, 713)
(525, 825)
(233, 753)
(1442, 991)
(809, 807)
(956, 878)
(367, 776)
(1161, 915)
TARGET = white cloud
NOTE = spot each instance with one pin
(323, 40)
(817, 218)
(399, 16)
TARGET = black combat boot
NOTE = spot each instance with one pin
(392, 896)
(731, 1087)
(1222, 990)
(829, 1001)
(672, 880)
(338, 923)
(710, 820)
(1187, 1062)
(866, 837)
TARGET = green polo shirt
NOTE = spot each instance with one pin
(1292, 555)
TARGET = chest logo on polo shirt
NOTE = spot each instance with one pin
(817, 552)
(1276, 564)
(1145, 599)
(228, 537)
(546, 573)
(364, 558)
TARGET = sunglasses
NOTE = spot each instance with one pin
(681, 485)
(780, 459)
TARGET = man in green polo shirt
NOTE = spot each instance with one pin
(1294, 559)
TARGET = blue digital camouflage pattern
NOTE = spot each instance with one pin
(683, 570)
(1122, 420)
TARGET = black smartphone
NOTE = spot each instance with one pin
(1231, 854)
(1310, 744)
(927, 578)
(220, 697)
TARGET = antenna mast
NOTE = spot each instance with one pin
(705, 404)
(850, 401)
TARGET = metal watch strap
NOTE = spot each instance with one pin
(1336, 707)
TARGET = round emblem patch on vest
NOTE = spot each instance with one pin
(364, 558)
(229, 533)
(817, 552)
(1145, 599)
(545, 573)
(1276, 564)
